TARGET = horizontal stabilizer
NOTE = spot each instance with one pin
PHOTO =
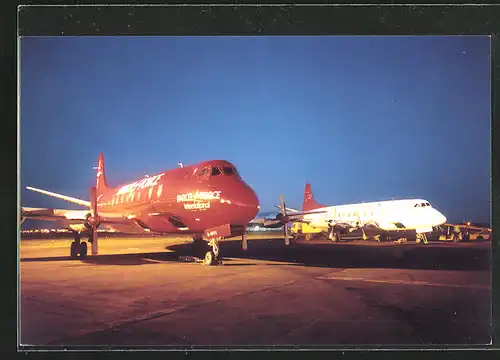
(62, 197)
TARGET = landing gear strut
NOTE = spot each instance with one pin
(78, 247)
(422, 237)
(333, 234)
(212, 256)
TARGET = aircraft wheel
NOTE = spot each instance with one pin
(74, 249)
(210, 258)
(83, 249)
(334, 236)
(308, 237)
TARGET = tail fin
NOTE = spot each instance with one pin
(309, 202)
(101, 183)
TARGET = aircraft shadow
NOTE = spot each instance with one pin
(339, 255)
(345, 255)
(116, 259)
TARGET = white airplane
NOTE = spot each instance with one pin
(410, 218)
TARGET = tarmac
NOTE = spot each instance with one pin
(152, 292)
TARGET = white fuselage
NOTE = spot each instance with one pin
(393, 215)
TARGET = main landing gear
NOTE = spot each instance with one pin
(333, 234)
(79, 247)
(212, 256)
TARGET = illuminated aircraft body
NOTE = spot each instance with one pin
(207, 200)
(408, 217)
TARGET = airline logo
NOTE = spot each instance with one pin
(139, 185)
(198, 200)
(199, 195)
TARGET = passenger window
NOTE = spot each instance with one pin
(216, 171)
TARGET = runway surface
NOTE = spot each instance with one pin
(148, 291)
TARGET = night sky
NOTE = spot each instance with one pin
(360, 118)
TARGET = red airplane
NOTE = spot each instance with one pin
(207, 200)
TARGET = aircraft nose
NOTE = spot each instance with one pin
(247, 204)
(441, 218)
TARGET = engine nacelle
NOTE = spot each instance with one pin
(77, 227)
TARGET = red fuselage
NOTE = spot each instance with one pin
(189, 199)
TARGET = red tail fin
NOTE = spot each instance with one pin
(309, 202)
(101, 183)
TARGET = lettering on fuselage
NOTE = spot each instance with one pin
(139, 185)
(198, 200)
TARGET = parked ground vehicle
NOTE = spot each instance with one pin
(303, 231)
(461, 232)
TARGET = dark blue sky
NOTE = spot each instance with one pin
(361, 118)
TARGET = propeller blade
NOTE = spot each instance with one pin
(93, 200)
(93, 209)
(283, 206)
(285, 232)
(364, 234)
(244, 242)
(94, 241)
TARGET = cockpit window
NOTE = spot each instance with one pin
(425, 204)
(228, 170)
(203, 172)
(216, 171)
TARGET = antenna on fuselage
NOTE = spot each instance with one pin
(180, 164)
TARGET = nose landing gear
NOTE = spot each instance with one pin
(212, 256)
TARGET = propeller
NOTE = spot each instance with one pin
(359, 226)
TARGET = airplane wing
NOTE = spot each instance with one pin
(75, 219)
(70, 216)
(52, 214)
